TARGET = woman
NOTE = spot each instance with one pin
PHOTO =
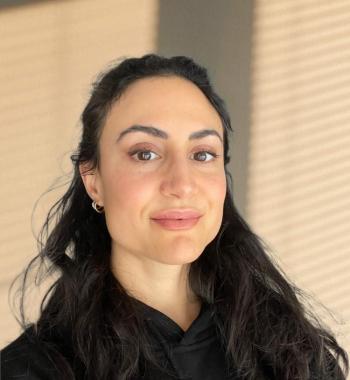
(160, 277)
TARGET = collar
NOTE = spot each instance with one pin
(169, 332)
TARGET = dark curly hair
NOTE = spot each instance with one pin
(260, 315)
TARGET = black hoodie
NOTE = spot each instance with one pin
(192, 354)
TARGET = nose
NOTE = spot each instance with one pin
(179, 180)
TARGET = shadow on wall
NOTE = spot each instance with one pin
(217, 35)
(11, 3)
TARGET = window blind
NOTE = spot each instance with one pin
(299, 152)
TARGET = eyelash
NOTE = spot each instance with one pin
(135, 152)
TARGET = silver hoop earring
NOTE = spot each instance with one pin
(97, 208)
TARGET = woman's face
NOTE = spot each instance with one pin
(173, 172)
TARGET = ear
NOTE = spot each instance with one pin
(92, 182)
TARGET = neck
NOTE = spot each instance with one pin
(161, 286)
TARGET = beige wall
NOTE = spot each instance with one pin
(299, 172)
(50, 52)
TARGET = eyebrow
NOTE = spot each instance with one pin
(153, 131)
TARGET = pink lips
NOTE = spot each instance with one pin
(177, 219)
(177, 214)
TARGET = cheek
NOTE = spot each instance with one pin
(125, 199)
(126, 194)
(216, 189)
(217, 199)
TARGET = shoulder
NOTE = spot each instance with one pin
(25, 359)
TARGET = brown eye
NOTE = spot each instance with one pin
(203, 153)
(146, 154)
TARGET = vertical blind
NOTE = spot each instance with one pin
(299, 170)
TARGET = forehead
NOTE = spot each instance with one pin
(163, 100)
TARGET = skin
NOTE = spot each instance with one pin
(150, 262)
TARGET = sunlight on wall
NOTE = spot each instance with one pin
(299, 173)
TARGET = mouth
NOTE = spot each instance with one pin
(177, 214)
(177, 224)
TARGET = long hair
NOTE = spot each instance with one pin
(265, 329)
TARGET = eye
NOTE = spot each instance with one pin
(214, 155)
(146, 153)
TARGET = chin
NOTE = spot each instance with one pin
(179, 257)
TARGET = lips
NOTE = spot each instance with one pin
(179, 214)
